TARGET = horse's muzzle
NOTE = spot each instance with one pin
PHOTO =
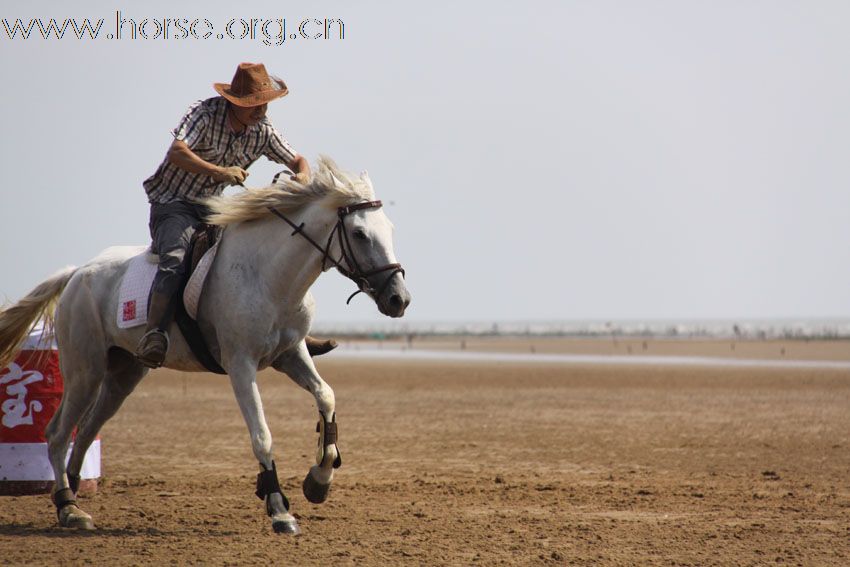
(395, 298)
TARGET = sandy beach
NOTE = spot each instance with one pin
(477, 463)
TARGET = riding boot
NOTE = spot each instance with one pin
(317, 347)
(154, 343)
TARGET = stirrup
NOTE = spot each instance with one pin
(152, 355)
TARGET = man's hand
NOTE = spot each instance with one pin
(302, 170)
(302, 177)
(232, 175)
(183, 157)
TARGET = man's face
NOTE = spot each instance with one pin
(250, 115)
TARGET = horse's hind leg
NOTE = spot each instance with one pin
(123, 375)
(83, 370)
(299, 366)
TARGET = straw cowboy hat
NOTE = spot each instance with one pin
(251, 86)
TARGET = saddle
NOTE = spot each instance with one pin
(136, 285)
(186, 299)
(204, 238)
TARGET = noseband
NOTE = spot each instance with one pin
(352, 269)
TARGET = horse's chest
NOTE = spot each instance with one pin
(291, 329)
(283, 341)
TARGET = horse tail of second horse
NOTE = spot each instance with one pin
(16, 321)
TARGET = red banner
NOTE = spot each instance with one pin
(30, 392)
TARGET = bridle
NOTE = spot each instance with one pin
(353, 271)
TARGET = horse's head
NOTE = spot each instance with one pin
(365, 246)
(359, 241)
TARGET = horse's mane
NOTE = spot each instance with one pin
(329, 183)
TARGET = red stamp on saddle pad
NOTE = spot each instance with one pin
(129, 311)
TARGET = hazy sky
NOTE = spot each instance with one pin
(546, 160)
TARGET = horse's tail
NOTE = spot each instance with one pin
(18, 320)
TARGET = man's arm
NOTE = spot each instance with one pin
(180, 155)
(279, 151)
(301, 168)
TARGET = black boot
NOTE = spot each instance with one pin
(154, 343)
(316, 347)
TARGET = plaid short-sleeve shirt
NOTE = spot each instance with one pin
(205, 130)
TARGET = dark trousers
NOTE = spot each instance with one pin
(172, 225)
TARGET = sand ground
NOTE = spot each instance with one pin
(475, 464)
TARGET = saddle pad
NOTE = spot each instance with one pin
(135, 288)
(192, 294)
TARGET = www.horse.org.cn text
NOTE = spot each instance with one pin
(269, 31)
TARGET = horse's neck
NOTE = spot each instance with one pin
(286, 263)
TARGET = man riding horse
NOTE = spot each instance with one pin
(214, 143)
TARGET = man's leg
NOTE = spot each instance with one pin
(154, 343)
(318, 347)
(171, 226)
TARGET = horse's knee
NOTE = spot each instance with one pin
(50, 430)
(53, 434)
(325, 399)
(52, 442)
(262, 445)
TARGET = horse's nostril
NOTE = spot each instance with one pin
(395, 300)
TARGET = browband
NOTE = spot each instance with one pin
(343, 211)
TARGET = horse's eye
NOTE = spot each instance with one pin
(359, 234)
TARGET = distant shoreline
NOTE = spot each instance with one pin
(720, 329)
(634, 348)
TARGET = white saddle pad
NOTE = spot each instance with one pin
(192, 293)
(136, 286)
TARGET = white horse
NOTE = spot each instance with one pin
(255, 312)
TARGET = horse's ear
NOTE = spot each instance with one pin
(337, 183)
(364, 176)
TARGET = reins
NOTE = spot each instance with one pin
(353, 271)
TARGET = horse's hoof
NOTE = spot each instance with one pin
(314, 491)
(289, 526)
(72, 517)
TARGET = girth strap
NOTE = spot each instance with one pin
(190, 328)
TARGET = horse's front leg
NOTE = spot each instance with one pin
(243, 378)
(299, 366)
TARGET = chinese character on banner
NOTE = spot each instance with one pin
(30, 392)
